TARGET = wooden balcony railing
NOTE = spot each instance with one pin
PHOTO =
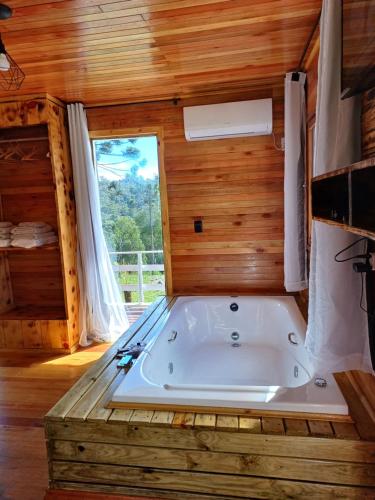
(140, 267)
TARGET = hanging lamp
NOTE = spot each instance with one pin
(11, 75)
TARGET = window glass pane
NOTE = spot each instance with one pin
(128, 176)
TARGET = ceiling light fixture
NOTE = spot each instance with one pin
(5, 11)
(11, 75)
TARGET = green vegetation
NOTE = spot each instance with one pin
(130, 208)
(131, 278)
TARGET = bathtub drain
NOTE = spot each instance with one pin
(296, 371)
(236, 344)
(320, 382)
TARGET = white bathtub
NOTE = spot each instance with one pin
(205, 354)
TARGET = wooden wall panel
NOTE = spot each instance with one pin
(368, 124)
(66, 214)
(6, 295)
(234, 185)
(34, 334)
(12, 334)
(36, 278)
(27, 194)
(33, 207)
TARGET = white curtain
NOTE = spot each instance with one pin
(102, 315)
(337, 333)
(295, 275)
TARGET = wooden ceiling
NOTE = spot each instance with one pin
(99, 51)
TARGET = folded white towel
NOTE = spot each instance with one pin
(36, 224)
(5, 224)
(5, 243)
(5, 232)
(33, 242)
(31, 231)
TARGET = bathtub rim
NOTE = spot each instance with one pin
(152, 336)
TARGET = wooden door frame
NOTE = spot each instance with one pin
(164, 208)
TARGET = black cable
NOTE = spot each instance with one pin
(361, 256)
(371, 315)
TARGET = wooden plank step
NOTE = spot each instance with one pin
(200, 482)
(162, 418)
(88, 401)
(231, 442)
(272, 425)
(183, 420)
(226, 423)
(66, 403)
(120, 415)
(320, 428)
(205, 421)
(299, 469)
(100, 412)
(141, 416)
(250, 424)
(295, 427)
(344, 430)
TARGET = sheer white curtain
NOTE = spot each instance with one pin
(102, 315)
(337, 333)
(295, 275)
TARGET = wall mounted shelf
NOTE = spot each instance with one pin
(34, 313)
(52, 246)
(345, 198)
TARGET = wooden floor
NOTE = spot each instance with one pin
(134, 311)
(29, 386)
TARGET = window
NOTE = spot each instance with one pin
(128, 176)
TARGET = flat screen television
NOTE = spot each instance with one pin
(358, 47)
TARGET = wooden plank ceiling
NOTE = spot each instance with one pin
(101, 51)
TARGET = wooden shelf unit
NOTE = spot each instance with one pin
(344, 198)
(34, 313)
(52, 246)
(39, 293)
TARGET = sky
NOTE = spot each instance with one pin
(149, 152)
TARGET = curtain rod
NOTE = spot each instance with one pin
(174, 100)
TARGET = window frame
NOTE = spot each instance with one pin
(158, 132)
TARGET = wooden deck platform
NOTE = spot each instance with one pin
(134, 311)
(187, 455)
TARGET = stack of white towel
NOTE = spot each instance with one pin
(5, 234)
(32, 234)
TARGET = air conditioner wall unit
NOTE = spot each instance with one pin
(230, 119)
